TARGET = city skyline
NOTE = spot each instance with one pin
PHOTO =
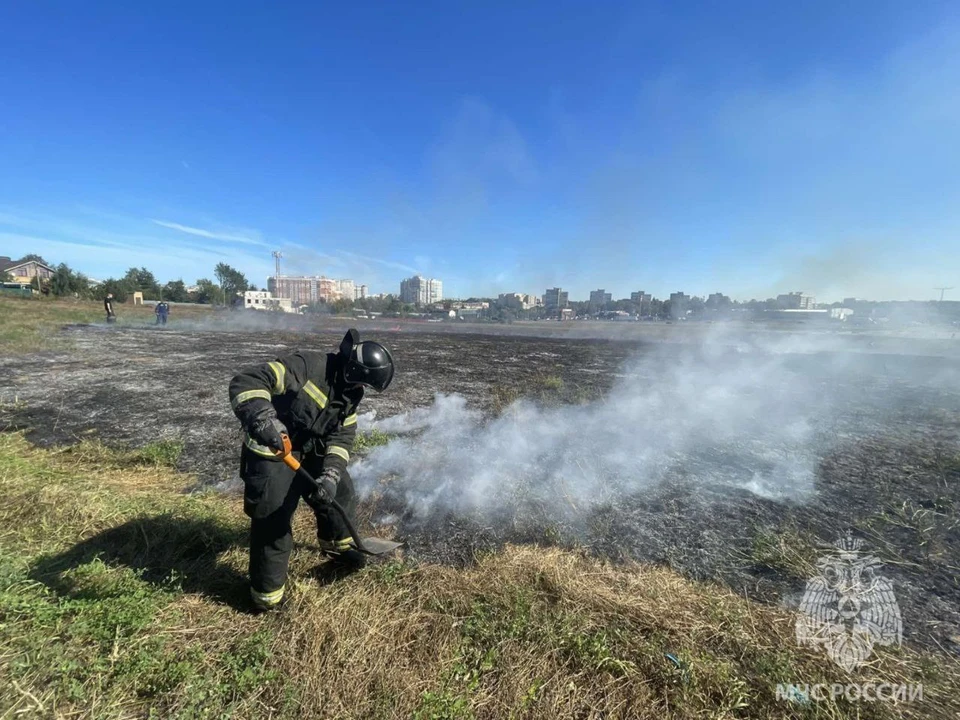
(306, 289)
(791, 299)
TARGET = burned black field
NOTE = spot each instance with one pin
(733, 461)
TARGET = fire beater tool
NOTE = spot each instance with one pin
(370, 545)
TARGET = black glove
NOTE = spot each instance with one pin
(327, 483)
(268, 431)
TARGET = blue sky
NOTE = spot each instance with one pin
(746, 147)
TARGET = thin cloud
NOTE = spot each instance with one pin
(35, 240)
(307, 249)
(387, 263)
(101, 253)
(199, 232)
(57, 229)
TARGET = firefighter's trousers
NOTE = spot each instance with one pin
(272, 492)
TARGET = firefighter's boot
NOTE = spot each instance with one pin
(343, 553)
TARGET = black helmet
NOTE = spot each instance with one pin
(370, 364)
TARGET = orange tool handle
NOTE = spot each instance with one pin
(287, 454)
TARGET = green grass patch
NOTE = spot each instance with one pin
(543, 388)
(161, 452)
(444, 705)
(35, 324)
(369, 439)
(97, 551)
(552, 383)
(97, 615)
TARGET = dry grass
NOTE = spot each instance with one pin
(545, 633)
(32, 324)
(122, 597)
(543, 387)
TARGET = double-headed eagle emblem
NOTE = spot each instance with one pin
(848, 607)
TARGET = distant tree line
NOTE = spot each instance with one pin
(67, 282)
(389, 305)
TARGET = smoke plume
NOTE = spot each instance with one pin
(729, 413)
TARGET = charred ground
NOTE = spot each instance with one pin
(889, 469)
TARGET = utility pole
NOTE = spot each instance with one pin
(942, 289)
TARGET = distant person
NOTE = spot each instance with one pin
(108, 306)
(312, 397)
(162, 310)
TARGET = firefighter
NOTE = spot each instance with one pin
(108, 307)
(313, 398)
(162, 310)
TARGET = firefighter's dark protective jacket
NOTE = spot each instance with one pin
(311, 399)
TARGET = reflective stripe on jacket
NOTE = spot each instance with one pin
(310, 398)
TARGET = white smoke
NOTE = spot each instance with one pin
(729, 413)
